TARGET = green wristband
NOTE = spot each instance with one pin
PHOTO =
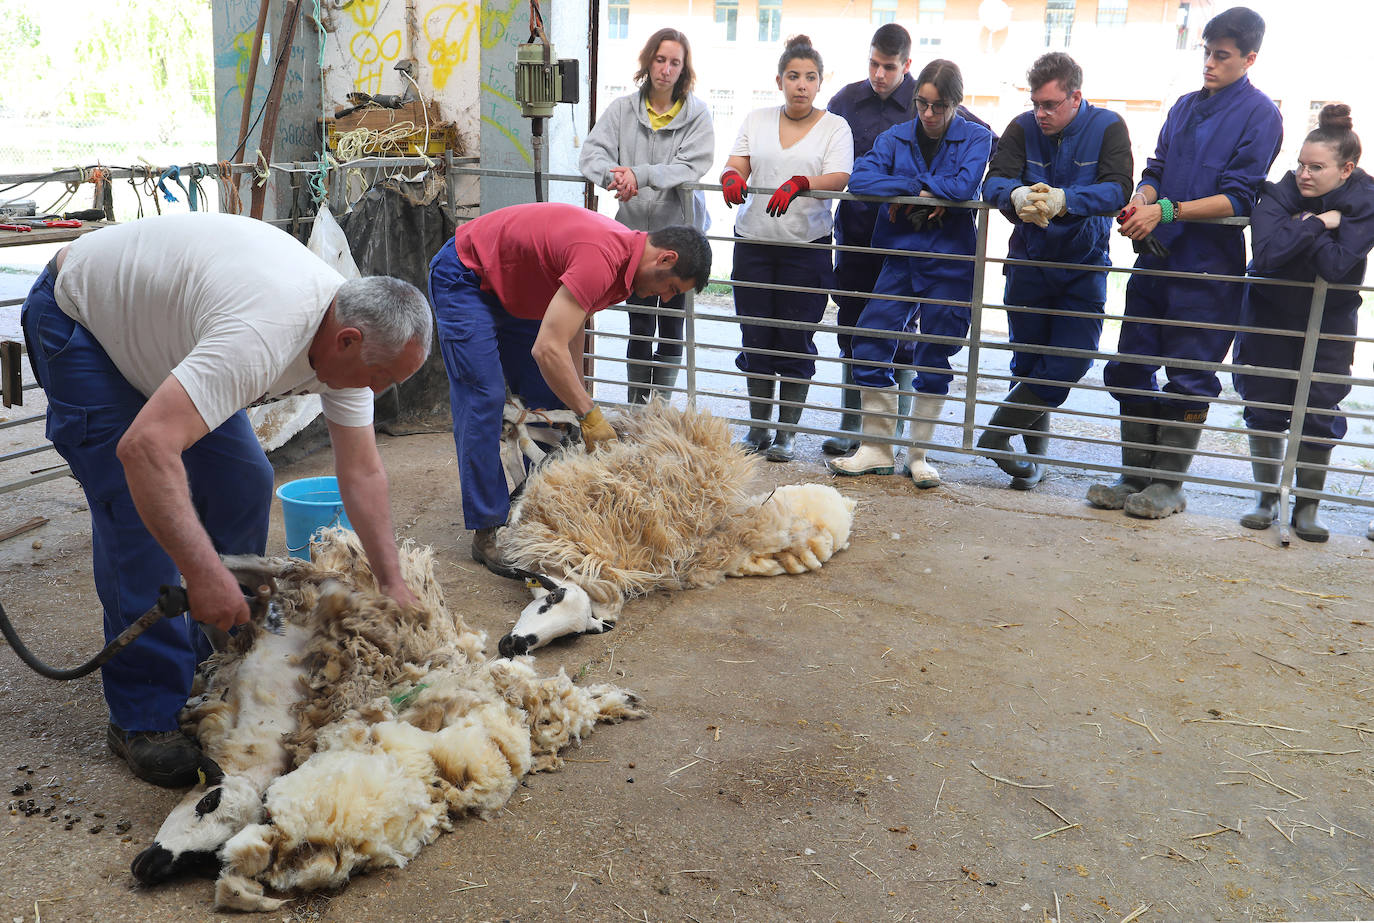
(1166, 211)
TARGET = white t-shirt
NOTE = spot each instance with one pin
(827, 148)
(227, 304)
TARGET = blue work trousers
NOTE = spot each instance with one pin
(90, 406)
(1169, 299)
(1034, 287)
(778, 265)
(899, 277)
(858, 272)
(1273, 351)
(485, 348)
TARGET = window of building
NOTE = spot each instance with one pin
(765, 98)
(770, 20)
(883, 11)
(1058, 23)
(1111, 12)
(727, 16)
(1314, 111)
(618, 19)
(930, 21)
(722, 105)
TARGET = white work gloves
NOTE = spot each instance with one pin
(1038, 204)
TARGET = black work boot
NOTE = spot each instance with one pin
(760, 411)
(638, 377)
(1113, 496)
(1037, 446)
(791, 396)
(486, 552)
(1266, 451)
(166, 758)
(664, 377)
(1305, 524)
(1022, 410)
(849, 420)
(1174, 450)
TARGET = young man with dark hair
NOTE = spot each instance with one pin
(871, 107)
(1214, 152)
(1061, 170)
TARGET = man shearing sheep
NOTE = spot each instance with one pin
(511, 294)
(149, 339)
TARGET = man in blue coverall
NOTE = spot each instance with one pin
(1214, 151)
(1061, 169)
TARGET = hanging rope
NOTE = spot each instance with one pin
(262, 170)
(229, 190)
(319, 179)
(133, 184)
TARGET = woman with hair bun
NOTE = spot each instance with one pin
(643, 148)
(793, 147)
(1316, 221)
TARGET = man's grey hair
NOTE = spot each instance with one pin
(390, 313)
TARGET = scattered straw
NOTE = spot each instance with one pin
(1305, 751)
(1136, 913)
(1042, 804)
(1005, 781)
(855, 857)
(1039, 836)
(827, 609)
(468, 888)
(1221, 828)
(1310, 593)
(824, 879)
(1298, 670)
(1279, 829)
(688, 766)
(1138, 724)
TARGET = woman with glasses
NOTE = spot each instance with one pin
(643, 148)
(1316, 221)
(938, 155)
(793, 147)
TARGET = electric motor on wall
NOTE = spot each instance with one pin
(541, 82)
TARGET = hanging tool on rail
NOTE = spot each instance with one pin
(541, 83)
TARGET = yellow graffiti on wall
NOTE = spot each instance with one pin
(446, 53)
(363, 12)
(373, 55)
(243, 51)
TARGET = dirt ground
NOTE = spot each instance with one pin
(993, 707)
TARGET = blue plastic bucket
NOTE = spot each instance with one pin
(309, 505)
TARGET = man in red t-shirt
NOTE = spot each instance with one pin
(511, 296)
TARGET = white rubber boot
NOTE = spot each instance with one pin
(927, 411)
(879, 420)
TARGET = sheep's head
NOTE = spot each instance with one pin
(560, 607)
(198, 826)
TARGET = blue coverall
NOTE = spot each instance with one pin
(1221, 143)
(1288, 247)
(896, 167)
(484, 348)
(90, 406)
(1096, 179)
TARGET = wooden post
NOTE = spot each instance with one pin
(286, 36)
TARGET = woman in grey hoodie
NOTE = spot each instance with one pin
(643, 148)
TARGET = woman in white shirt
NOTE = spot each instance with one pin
(793, 147)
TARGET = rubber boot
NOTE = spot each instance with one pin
(1269, 448)
(760, 411)
(637, 377)
(791, 396)
(1305, 524)
(849, 420)
(906, 386)
(1022, 410)
(1113, 496)
(1037, 446)
(664, 378)
(1175, 446)
(923, 473)
(879, 420)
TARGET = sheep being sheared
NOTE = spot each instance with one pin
(673, 504)
(352, 740)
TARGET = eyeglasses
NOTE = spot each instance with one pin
(1311, 169)
(1047, 108)
(925, 105)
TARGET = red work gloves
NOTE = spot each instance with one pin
(733, 187)
(777, 206)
